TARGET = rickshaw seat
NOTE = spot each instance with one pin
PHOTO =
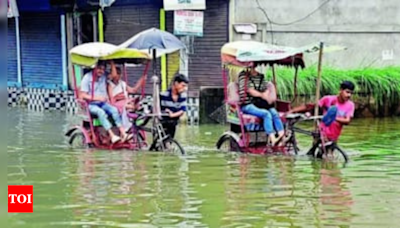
(233, 102)
(283, 106)
(247, 119)
(233, 93)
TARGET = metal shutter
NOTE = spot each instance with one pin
(12, 72)
(41, 50)
(123, 22)
(205, 59)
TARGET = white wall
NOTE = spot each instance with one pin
(367, 27)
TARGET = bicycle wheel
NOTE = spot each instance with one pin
(77, 141)
(228, 144)
(332, 153)
(171, 146)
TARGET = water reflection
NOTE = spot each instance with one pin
(335, 197)
(93, 188)
(128, 186)
(269, 192)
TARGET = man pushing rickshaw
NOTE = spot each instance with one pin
(260, 123)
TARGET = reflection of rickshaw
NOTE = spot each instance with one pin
(246, 132)
(90, 133)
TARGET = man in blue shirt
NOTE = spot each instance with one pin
(94, 90)
(173, 102)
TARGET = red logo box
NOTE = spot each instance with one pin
(20, 198)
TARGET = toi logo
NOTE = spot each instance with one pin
(20, 198)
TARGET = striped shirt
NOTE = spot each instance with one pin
(167, 102)
(256, 82)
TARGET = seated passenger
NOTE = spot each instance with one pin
(256, 100)
(94, 90)
(118, 92)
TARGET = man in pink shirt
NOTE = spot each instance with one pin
(338, 111)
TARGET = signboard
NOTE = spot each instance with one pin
(184, 5)
(188, 23)
(12, 10)
(106, 3)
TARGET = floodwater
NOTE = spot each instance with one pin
(77, 188)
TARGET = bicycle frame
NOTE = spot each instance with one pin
(318, 136)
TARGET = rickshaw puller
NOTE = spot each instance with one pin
(173, 102)
(338, 111)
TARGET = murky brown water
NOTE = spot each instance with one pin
(204, 188)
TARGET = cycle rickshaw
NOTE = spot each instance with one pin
(90, 133)
(246, 133)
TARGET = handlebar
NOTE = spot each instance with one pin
(302, 117)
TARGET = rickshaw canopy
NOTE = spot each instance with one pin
(250, 53)
(89, 53)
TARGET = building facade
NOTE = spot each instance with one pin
(39, 38)
(40, 75)
(369, 29)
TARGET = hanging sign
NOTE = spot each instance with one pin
(188, 23)
(12, 10)
(184, 5)
(106, 3)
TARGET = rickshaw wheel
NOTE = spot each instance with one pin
(171, 146)
(228, 144)
(334, 153)
(77, 141)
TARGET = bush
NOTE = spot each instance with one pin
(383, 84)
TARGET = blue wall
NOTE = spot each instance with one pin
(34, 5)
(44, 5)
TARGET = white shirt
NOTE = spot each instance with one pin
(120, 87)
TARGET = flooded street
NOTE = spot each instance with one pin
(205, 188)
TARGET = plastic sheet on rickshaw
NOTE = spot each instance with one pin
(249, 53)
(89, 53)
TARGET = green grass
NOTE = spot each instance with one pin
(383, 84)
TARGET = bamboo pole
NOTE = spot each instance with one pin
(318, 86)
(64, 55)
(125, 74)
(18, 45)
(101, 25)
(296, 71)
(164, 79)
(274, 80)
